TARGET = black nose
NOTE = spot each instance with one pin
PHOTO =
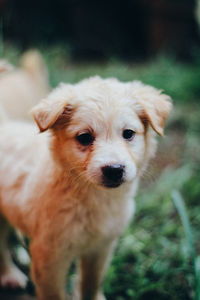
(113, 175)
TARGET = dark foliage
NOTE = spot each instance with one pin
(131, 29)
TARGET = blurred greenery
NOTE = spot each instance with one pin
(153, 258)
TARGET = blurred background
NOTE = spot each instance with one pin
(158, 42)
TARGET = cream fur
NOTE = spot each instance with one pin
(51, 186)
(22, 88)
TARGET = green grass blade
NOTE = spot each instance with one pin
(180, 206)
(197, 273)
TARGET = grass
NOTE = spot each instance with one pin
(158, 257)
(180, 81)
(179, 203)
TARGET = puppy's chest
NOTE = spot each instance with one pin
(101, 220)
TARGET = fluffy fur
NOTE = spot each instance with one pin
(22, 88)
(52, 187)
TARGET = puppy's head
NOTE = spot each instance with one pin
(102, 128)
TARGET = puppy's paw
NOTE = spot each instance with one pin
(13, 278)
(100, 296)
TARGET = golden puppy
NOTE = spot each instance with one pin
(22, 88)
(71, 188)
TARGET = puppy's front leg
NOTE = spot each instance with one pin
(49, 270)
(92, 270)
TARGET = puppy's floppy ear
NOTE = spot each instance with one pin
(154, 106)
(51, 110)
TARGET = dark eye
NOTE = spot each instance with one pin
(128, 134)
(85, 139)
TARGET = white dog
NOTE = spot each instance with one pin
(71, 188)
(22, 88)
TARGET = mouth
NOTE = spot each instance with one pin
(112, 184)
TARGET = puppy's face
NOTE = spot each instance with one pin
(106, 140)
(100, 128)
